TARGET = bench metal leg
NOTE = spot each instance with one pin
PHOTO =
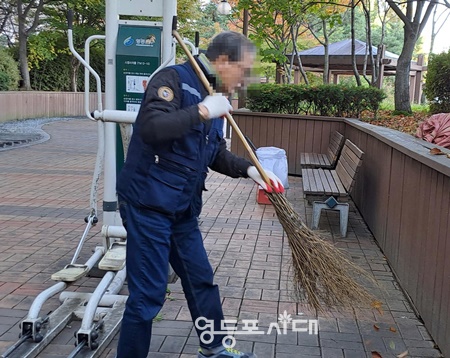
(331, 204)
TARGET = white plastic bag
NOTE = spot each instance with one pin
(274, 159)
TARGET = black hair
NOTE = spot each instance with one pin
(232, 44)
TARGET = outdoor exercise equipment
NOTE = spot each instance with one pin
(135, 50)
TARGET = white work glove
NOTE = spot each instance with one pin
(275, 182)
(217, 106)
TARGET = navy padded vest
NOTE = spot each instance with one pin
(170, 178)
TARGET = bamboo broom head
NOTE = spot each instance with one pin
(322, 275)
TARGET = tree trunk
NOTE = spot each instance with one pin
(402, 96)
(23, 53)
(326, 60)
(414, 21)
(23, 62)
(75, 65)
(299, 60)
(354, 65)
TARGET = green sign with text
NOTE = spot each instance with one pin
(138, 56)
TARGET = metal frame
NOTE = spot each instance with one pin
(98, 324)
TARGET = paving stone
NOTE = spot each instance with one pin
(339, 336)
(156, 342)
(173, 345)
(395, 345)
(346, 325)
(264, 350)
(354, 353)
(424, 352)
(332, 353)
(330, 343)
(409, 329)
(328, 325)
(295, 350)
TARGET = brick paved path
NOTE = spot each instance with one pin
(44, 197)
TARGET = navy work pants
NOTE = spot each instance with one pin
(154, 240)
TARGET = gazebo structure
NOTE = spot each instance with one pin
(340, 63)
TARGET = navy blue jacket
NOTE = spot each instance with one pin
(171, 148)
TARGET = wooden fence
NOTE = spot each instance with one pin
(402, 192)
(23, 105)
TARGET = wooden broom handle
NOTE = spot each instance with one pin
(229, 117)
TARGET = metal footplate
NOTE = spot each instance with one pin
(114, 258)
(71, 273)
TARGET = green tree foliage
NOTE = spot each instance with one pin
(189, 13)
(393, 38)
(274, 26)
(9, 72)
(88, 20)
(53, 68)
(437, 88)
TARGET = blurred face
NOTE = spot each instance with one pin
(233, 74)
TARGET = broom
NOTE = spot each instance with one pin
(321, 272)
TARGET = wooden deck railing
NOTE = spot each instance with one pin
(402, 192)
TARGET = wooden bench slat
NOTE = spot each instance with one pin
(347, 164)
(344, 177)
(339, 182)
(305, 181)
(312, 179)
(319, 186)
(335, 147)
(351, 158)
(314, 158)
(332, 182)
(324, 160)
(325, 184)
(308, 158)
(354, 149)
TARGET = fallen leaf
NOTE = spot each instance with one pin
(375, 354)
(377, 305)
(436, 151)
(392, 329)
(392, 345)
(376, 327)
(448, 155)
(403, 355)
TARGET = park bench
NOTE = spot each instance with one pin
(326, 160)
(330, 188)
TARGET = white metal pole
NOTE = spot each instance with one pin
(169, 11)
(109, 196)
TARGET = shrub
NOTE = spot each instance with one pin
(437, 88)
(54, 74)
(9, 72)
(323, 100)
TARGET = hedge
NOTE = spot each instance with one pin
(324, 100)
(437, 87)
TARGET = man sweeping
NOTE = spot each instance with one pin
(177, 136)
